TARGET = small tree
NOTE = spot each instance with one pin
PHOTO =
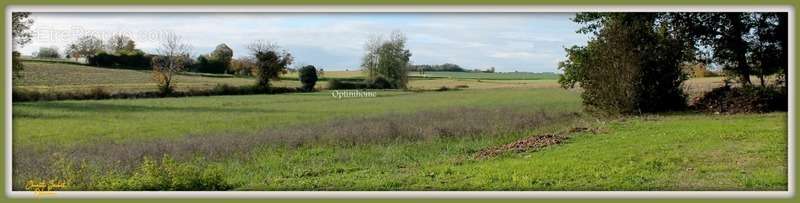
(387, 60)
(308, 76)
(120, 43)
(173, 57)
(85, 47)
(222, 55)
(270, 62)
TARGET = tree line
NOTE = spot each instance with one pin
(385, 62)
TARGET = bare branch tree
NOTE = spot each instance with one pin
(173, 57)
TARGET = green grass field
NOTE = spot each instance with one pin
(488, 76)
(399, 140)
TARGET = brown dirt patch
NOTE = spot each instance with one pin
(530, 144)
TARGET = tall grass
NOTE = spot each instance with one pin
(124, 163)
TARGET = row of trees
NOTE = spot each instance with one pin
(632, 64)
(386, 61)
(446, 67)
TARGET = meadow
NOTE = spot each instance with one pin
(399, 140)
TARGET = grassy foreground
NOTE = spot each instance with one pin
(405, 141)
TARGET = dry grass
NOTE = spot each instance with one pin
(457, 123)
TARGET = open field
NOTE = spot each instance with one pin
(46, 76)
(49, 76)
(389, 143)
(488, 76)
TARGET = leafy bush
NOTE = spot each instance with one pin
(341, 84)
(170, 175)
(48, 52)
(748, 99)
(308, 76)
(628, 67)
(133, 60)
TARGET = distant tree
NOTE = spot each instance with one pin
(21, 35)
(173, 57)
(308, 76)
(271, 62)
(48, 52)
(85, 47)
(387, 60)
(223, 55)
(243, 66)
(120, 43)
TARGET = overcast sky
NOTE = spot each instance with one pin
(532, 42)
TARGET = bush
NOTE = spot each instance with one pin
(341, 84)
(308, 76)
(748, 99)
(382, 83)
(48, 52)
(132, 60)
(169, 175)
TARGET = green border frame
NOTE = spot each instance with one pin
(5, 3)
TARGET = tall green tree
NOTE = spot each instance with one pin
(630, 66)
(387, 60)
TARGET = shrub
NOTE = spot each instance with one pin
(382, 83)
(170, 175)
(132, 60)
(341, 84)
(48, 52)
(308, 76)
(747, 99)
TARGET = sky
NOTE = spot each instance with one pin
(529, 42)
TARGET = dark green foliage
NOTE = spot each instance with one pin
(343, 84)
(137, 60)
(16, 64)
(447, 67)
(747, 99)
(630, 67)
(218, 61)
(270, 62)
(382, 83)
(48, 52)
(742, 43)
(205, 64)
(308, 76)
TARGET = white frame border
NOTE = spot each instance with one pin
(407, 194)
